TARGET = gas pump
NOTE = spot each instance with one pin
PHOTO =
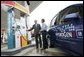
(16, 36)
(20, 33)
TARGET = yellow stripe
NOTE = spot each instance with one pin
(21, 8)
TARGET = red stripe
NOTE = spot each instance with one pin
(9, 3)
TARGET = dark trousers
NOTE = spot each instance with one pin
(45, 42)
(38, 40)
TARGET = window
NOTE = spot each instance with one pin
(53, 21)
(71, 9)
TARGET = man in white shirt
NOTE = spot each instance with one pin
(44, 33)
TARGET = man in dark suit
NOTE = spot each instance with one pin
(37, 28)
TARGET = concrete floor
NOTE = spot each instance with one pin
(31, 51)
(47, 52)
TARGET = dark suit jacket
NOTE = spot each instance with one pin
(36, 29)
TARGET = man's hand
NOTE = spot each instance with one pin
(40, 32)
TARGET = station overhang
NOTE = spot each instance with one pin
(15, 5)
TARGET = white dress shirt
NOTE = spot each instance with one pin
(43, 27)
(36, 25)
